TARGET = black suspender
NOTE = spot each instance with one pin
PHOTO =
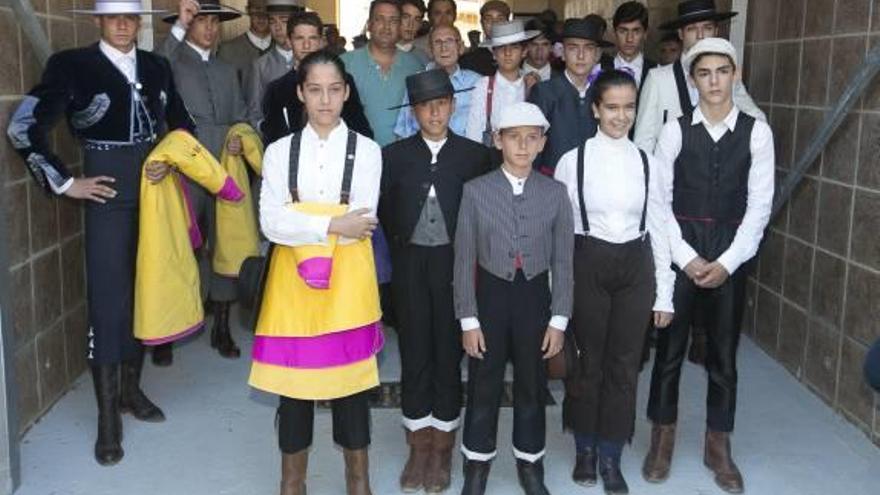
(580, 181)
(684, 98)
(293, 174)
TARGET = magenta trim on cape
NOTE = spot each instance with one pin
(195, 235)
(323, 351)
(177, 336)
(315, 272)
(230, 191)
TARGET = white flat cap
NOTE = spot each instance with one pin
(710, 45)
(521, 114)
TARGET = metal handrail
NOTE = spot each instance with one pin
(857, 85)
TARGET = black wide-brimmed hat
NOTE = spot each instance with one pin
(210, 7)
(691, 11)
(584, 29)
(428, 85)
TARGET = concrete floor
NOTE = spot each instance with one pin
(219, 439)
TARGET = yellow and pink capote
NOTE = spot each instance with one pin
(319, 325)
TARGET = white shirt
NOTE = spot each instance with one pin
(505, 94)
(558, 322)
(205, 55)
(760, 188)
(321, 166)
(261, 43)
(635, 65)
(614, 195)
(434, 147)
(581, 92)
(544, 73)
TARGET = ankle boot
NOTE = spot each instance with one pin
(697, 352)
(584, 472)
(357, 472)
(131, 398)
(221, 339)
(163, 355)
(476, 475)
(439, 472)
(108, 445)
(612, 478)
(412, 479)
(293, 472)
(659, 459)
(717, 458)
(531, 477)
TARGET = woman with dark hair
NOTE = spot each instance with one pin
(317, 335)
(621, 272)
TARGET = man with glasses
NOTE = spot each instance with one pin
(565, 99)
(446, 47)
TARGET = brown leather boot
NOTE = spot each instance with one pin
(293, 472)
(412, 479)
(659, 458)
(439, 472)
(357, 472)
(717, 458)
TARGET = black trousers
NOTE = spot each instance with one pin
(614, 287)
(430, 337)
(723, 314)
(513, 317)
(111, 233)
(351, 422)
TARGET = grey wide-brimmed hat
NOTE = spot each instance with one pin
(691, 11)
(210, 7)
(508, 33)
(118, 7)
(428, 85)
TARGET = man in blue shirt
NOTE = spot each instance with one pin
(380, 69)
(446, 46)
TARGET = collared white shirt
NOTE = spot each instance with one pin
(286, 54)
(581, 92)
(558, 322)
(262, 44)
(506, 93)
(434, 147)
(544, 72)
(321, 166)
(635, 65)
(760, 188)
(179, 32)
(407, 47)
(125, 62)
(614, 196)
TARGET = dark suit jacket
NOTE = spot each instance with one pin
(479, 60)
(407, 175)
(571, 119)
(280, 95)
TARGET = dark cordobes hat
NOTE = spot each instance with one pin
(691, 11)
(584, 29)
(428, 85)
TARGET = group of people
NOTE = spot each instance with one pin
(531, 200)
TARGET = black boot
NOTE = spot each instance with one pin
(612, 478)
(131, 398)
(531, 477)
(584, 473)
(221, 339)
(476, 475)
(163, 355)
(108, 446)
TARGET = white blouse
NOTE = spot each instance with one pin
(321, 166)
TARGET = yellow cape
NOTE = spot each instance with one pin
(167, 304)
(237, 237)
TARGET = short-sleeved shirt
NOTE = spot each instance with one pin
(380, 91)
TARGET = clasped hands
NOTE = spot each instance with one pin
(705, 274)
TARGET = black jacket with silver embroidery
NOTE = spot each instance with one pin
(97, 100)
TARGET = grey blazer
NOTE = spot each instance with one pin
(493, 225)
(210, 91)
(240, 53)
(264, 70)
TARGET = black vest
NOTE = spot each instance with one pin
(711, 179)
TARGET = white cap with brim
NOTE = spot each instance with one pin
(719, 46)
(118, 7)
(522, 114)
